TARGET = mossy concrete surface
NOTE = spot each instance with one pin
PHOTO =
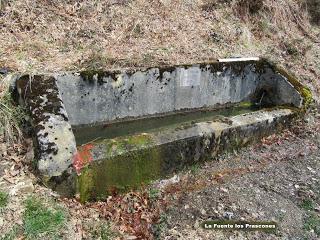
(96, 96)
(59, 103)
(129, 162)
(53, 136)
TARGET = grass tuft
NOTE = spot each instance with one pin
(12, 234)
(3, 199)
(104, 232)
(312, 223)
(40, 220)
(194, 168)
(154, 194)
(160, 227)
(307, 204)
(11, 116)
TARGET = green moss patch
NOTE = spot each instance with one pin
(128, 165)
(121, 145)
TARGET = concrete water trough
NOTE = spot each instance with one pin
(99, 132)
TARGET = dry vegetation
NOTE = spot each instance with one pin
(11, 116)
(58, 35)
(67, 35)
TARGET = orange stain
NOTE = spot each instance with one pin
(82, 157)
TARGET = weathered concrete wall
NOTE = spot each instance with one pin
(95, 97)
(57, 102)
(54, 139)
(278, 90)
(126, 162)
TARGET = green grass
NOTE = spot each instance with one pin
(154, 193)
(40, 220)
(11, 115)
(312, 222)
(12, 234)
(3, 199)
(307, 204)
(103, 232)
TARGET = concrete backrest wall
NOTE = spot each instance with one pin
(95, 97)
(148, 92)
(280, 91)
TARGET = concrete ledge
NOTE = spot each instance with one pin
(121, 163)
(54, 139)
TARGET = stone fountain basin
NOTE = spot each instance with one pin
(100, 132)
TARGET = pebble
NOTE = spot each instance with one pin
(131, 237)
(196, 224)
(166, 182)
(224, 190)
(311, 170)
(228, 215)
(24, 187)
(203, 212)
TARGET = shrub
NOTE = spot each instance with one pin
(313, 7)
(249, 7)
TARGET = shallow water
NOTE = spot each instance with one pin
(87, 134)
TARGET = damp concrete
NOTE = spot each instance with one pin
(96, 132)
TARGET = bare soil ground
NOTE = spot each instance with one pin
(277, 179)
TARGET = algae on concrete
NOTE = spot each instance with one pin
(122, 169)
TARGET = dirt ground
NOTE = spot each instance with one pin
(272, 181)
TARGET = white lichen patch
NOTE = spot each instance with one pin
(118, 82)
(44, 100)
(58, 146)
(260, 116)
